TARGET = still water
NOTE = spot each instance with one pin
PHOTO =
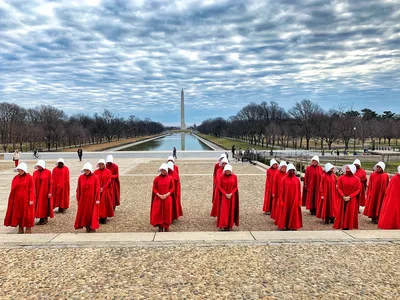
(182, 141)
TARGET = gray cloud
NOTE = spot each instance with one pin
(133, 57)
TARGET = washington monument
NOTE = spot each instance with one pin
(183, 125)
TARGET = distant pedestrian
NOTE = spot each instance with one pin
(337, 152)
(174, 153)
(233, 151)
(16, 157)
(80, 153)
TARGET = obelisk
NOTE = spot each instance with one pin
(183, 125)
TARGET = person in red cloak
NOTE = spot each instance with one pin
(43, 192)
(115, 184)
(217, 166)
(176, 196)
(172, 159)
(218, 175)
(390, 212)
(61, 186)
(328, 192)
(88, 197)
(161, 200)
(348, 187)
(106, 202)
(290, 217)
(378, 182)
(360, 173)
(312, 179)
(227, 200)
(21, 209)
(271, 171)
(276, 184)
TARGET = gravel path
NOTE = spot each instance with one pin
(303, 271)
(196, 180)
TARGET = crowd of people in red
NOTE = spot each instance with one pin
(331, 198)
(97, 194)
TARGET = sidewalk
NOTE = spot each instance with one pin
(156, 239)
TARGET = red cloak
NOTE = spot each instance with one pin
(19, 212)
(377, 185)
(214, 208)
(290, 203)
(115, 184)
(87, 193)
(360, 173)
(276, 183)
(390, 212)
(106, 209)
(176, 196)
(161, 210)
(216, 168)
(347, 212)
(267, 207)
(227, 209)
(43, 187)
(176, 169)
(312, 180)
(61, 187)
(326, 209)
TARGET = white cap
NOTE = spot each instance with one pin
(228, 167)
(40, 163)
(164, 167)
(223, 160)
(109, 158)
(101, 161)
(60, 160)
(272, 162)
(282, 164)
(87, 166)
(171, 158)
(290, 167)
(223, 155)
(357, 162)
(380, 164)
(316, 158)
(21, 166)
(170, 165)
(328, 167)
(398, 169)
(353, 168)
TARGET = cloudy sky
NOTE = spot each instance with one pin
(133, 57)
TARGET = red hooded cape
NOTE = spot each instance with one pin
(290, 202)
(106, 209)
(378, 183)
(328, 204)
(115, 184)
(176, 169)
(176, 196)
(215, 174)
(43, 187)
(227, 210)
(161, 210)
(312, 179)
(61, 187)
(87, 193)
(360, 173)
(276, 184)
(214, 208)
(347, 212)
(19, 212)
(267, 207)
(390, 212)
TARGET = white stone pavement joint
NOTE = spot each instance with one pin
(149, 239)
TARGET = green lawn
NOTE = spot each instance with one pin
(228, 143)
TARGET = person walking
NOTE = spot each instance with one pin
(61, 186)
(174, 153)
(312, 179)
(16, 157)
(80, 153)
(106, 209)
(43, 191)
(115, 183)
(233, 151)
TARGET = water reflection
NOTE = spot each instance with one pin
(182, 141)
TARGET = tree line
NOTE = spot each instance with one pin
(50, 126)
(268, 124)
